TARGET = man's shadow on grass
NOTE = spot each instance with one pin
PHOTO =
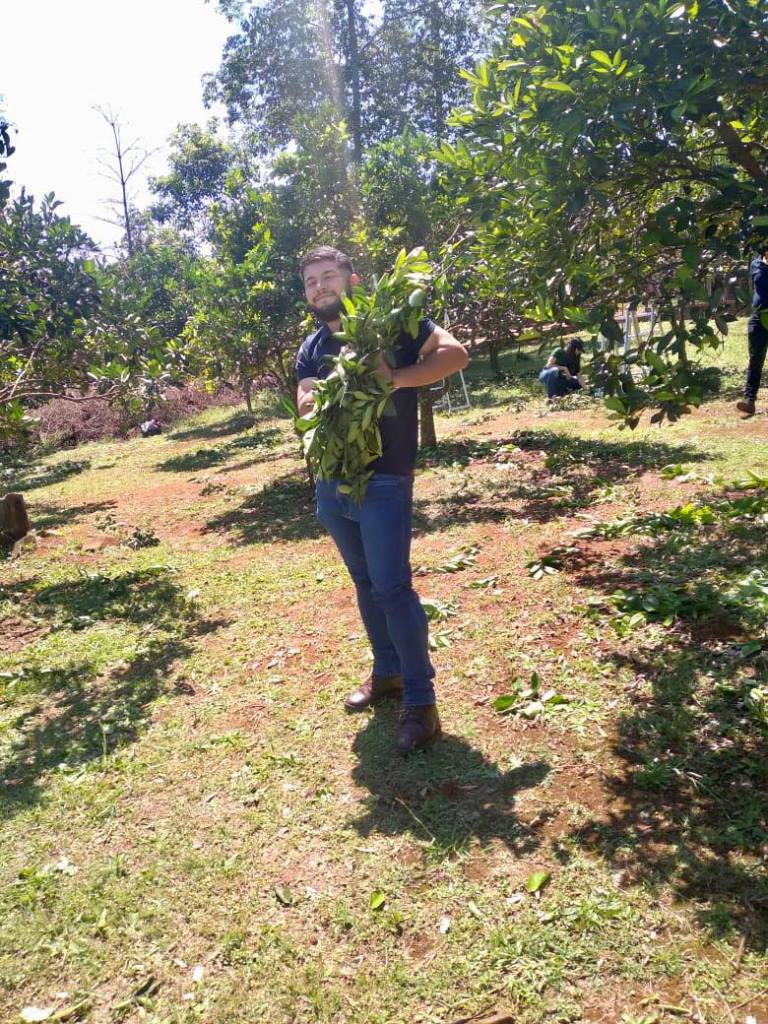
(447, 795)
(283, 509)
(71, 718)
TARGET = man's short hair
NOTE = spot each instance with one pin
(325, 252)
(763, 247)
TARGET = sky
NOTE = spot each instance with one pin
(60, 58)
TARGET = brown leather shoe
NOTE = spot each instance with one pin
(419, 728)
(747, 406)
(373, 690)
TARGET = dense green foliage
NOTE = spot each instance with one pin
(47, 292)
(291, 61)
(604, 155)
(614, 152)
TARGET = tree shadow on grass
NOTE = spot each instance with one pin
(573, 472)
(190, 462)
(447, 795)
(430, 516)
(234, 424)
(205, 458)
(52, 517)
(71, 717)
(30, 477)
(692, 794)
(283, 510)
(565, 449)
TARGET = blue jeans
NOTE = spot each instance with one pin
(374, 539)
(556, 383)
(757, 336)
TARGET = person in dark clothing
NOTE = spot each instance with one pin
(374, 536)
(561, 375)
(757, 331)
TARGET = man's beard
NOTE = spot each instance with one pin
(329, 312)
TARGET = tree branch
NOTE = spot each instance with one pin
(740, 153)
(6, 397)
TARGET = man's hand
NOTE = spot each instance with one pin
(305, 396)
(385, 371)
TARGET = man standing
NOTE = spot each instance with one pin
(757, 334)
(374, 536)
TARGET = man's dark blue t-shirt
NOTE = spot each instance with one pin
(399, 433)
(758, 271)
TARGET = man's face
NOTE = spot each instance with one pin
(324, 283)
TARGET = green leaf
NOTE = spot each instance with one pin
(283, 895)
(691, 255)
(601, 57)
(556, 85)
(505, 703)
(537, 881)
(378, 899)
(751, 648)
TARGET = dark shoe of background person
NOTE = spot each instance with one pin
(419, 728)
(746, 406)
(373, 690)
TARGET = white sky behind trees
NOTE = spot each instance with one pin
(61, 58)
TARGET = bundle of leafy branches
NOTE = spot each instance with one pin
(342, 433)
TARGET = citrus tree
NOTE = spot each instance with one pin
(48, 290)
(616, 150)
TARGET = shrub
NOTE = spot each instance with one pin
(63, 424)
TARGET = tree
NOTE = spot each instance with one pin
(613, 148)
(48, 290)
(125, 161)
(292, 59)
(6, 150)
(412, 59)
(229, 334)
(404, 205)
(156, 282)
(199, 164)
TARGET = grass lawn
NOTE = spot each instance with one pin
(192, 830)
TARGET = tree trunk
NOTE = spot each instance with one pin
(427, 435)
(437, 70)
(353, 75)
(493, 352)
(14, 521)
(247, 395)
(124, 196)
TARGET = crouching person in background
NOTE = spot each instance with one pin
(562, 374)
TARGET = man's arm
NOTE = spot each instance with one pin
(305, 395)
(439, 357)
(760, 281)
